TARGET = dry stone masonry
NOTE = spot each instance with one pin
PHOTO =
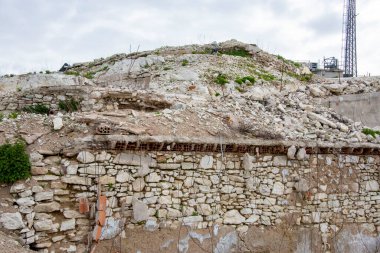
(167, 189)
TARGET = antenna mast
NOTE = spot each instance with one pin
(349, 55)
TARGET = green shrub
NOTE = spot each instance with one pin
(185, 62)
(13, 115)
(1, 116)
(239, 89)
(47, 72)
(37, 109)
(242, 80)
(167, 68)
(217, 94)
(89, 75)
(72, 73)
(221, 79)
(237, 52)
(368, 131)
(70, 105)
(14, 163)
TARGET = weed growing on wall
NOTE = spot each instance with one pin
(37, 109)
(14, 163)
(70, 105)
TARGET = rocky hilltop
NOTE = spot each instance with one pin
(202, 148)
(230, 90)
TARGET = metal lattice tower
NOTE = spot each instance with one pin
(349, 56)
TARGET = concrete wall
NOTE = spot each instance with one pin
(358, 107)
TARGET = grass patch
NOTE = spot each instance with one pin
(167, 68)
(72, 73)
(236, 52)
(221, 79)
(295, 64)
(14, 163)
(302, 78)
(70, 105)
(37, 109)
(206, 51)
(13, 115)
(1, 116)
(243, 80)
(89, 75)
(239, 89)
(185, 62)
(368, 131)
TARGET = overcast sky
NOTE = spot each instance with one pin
(44, 34)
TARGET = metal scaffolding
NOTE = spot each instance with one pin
(349, 55)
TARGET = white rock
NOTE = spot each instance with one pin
(138, 185)
(301, 154)
(135, 160)
(302, 185)
(72, 169)
(233, 217)
(252, 219)
(11, 221)
(85, 157)
(206, 162)
(153, 178)
(278, 188)
(57, 123)
(280, 161)
(28, 201)
(44, 196)
(77, 180)
(140, 210)
(123, 177)
(37, 188)
(372, 186)
(248, 162)
(17, 187)
(292, 152)
(72, 214)
(43, 225)
(67, 225)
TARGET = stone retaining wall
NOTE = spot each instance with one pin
(99, 99)
(198, 189)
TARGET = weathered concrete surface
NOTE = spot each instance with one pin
(358, 107)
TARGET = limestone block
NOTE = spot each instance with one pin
(372, 186)
(135, 160)
(248, 162)
(138, 185)
(12, 221)
(85, 157)
(67, 225)
(301, 154)
(123, 177)
(206, 162)
(43, 225)
(28, 201)
(140, 210)
(153, 178)
(280, 161)
(77, 180)
(57, 123)
(107, 180)
(40, 196)
(93, 170)
(233, 217)
(292, 152)
(47, 207)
